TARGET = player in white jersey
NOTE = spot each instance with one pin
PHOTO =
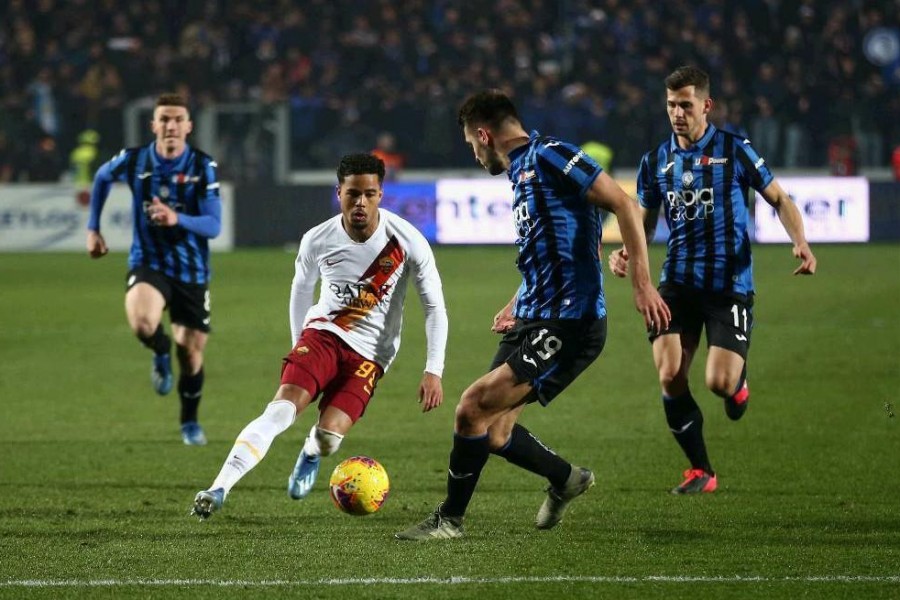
(344, 343)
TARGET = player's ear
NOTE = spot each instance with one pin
(188, 126)
(484, 136)
(707, 105)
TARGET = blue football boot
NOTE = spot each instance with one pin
(301, 481)
(161, 374)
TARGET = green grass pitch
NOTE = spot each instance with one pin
(95, 484)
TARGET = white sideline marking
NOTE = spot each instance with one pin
(90, 583)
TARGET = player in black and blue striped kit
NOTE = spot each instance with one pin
(177, 210)
(701, 179)
(555, 326)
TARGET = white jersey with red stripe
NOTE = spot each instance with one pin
(364, 287)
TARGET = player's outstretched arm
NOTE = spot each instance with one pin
(103, 180)
(607, 194)
(792, 221)
(431, 392)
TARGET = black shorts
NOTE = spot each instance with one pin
(550, 354)
(188, 303)
(728, 317)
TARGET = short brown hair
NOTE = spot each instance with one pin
(490, 107)
(687, 75)
(170, 99)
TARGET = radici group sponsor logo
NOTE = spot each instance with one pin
(690, 205)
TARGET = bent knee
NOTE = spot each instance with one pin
(144, 327)
(471, 411)
(670, 377)
(721, 384)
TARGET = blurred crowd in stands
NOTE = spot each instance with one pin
(811, 82)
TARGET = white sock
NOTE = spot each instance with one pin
(321, 442)
(253, 443)
(311, 445)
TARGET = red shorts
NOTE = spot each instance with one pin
(321, 362)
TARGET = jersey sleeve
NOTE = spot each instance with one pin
(306, 274)
(647, 190)
(568, 166)
(115, 169)
(209, 222)
(431, 293)
(752, 169)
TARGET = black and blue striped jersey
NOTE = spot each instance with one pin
(188, 184)
(704, 193)
(558, 231)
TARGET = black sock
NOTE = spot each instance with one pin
(467, 459)
(190, 390)
(741, 380)
(686, 423)
(159, 342)
(524, 450)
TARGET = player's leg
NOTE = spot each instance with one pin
(490, 397)
(672, 354)
(513, 441)
(323, 439)
(344, 400)
(548, 356)
(577, 346)
(145, 301)
(252, 444)
(311, 361)
(726, 377)
(729, 322)
(189, 347)
(189, 309)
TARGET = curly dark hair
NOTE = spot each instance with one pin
(489, 107)
(360, 164)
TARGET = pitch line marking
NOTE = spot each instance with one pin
(99, 583)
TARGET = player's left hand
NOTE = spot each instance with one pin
(162, 214)
(807, 259)
(654, 309)
(431, 392)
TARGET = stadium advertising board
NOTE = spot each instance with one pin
(415, 202)
(474, 211)
(51, 218)
(479, 211)
(834, 209)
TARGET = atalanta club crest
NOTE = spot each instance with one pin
(687, 178)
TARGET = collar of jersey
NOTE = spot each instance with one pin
(169, 163)
(518, 151)
(700, 145)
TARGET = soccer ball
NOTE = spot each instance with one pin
(359, 485)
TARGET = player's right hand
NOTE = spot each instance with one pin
(618, 262)
(654, 309)
(96, 245)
